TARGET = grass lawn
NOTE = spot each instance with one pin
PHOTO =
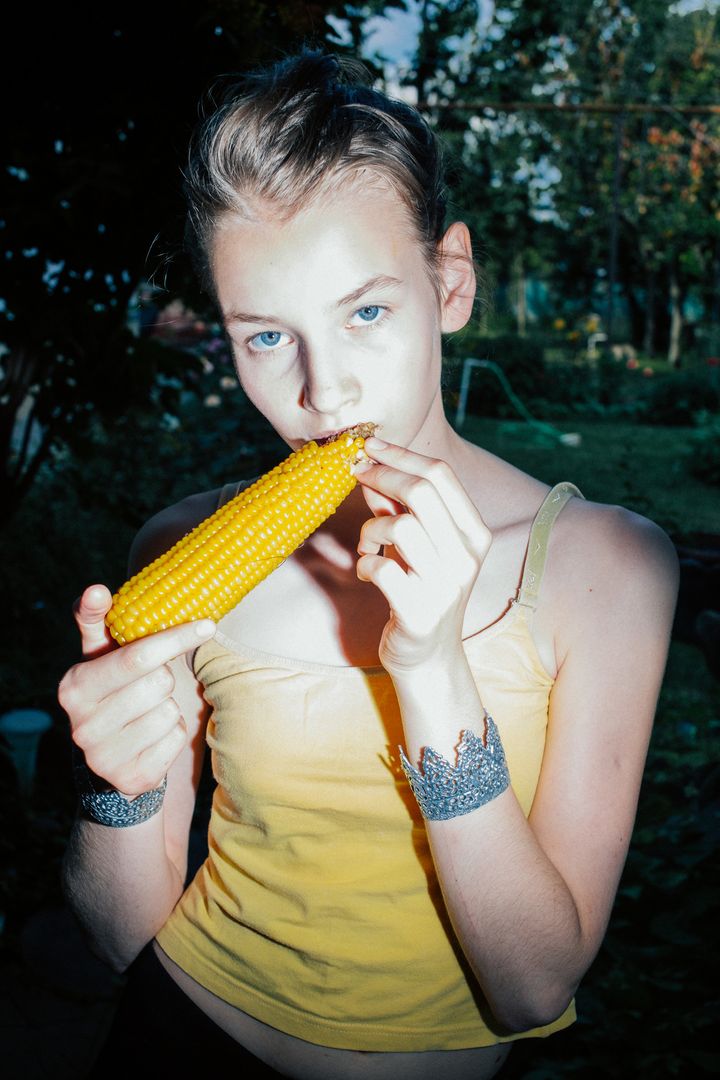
(637, 466)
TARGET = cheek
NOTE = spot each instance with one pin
(270, 391)
(251, 380)
(421, 344)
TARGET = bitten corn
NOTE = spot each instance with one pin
(216, 564)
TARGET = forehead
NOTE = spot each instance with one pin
(342, 237)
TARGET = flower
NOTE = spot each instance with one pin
(559, 324)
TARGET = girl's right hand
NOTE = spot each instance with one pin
(119, 700)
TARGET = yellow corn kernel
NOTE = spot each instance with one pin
(214, 566)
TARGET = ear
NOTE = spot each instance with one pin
(457, 277)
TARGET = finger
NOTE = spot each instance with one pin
(154, 763)
(404, 533)
(133, 740)
(389, 577)
(147, 770)
(427, 506)
(111, 715)
(90, 610)
(94, 682)
(440, 476)
(378, 503)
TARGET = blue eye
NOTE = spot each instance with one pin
(268, 339)
(369, 315)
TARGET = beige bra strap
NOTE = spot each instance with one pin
(538, 542)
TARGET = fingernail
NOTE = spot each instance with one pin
(361, 466)
(375, 444)
(205, 628)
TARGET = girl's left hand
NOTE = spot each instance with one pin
(423, 550)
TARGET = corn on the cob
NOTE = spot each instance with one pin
(214, 566)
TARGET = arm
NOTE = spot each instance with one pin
(530, 899)
(123, 883)
(137, 714)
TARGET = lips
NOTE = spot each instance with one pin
(328, 436)
(365, 428)
(325, 436)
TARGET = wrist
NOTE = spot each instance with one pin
(437, 702)
(105, 805)
(445, 788)
(439, 667)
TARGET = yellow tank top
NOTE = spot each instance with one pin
(318, 910)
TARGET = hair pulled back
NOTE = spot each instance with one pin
(285, 133)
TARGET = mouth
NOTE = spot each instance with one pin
(323, 437)
(366, 429)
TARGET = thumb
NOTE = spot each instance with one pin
(90, 610)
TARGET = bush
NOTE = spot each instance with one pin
(703, 459)
(520, 359)
(677, 398)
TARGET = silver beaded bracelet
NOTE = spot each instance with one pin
(444, 791)
(109, 807)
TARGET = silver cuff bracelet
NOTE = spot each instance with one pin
(481, 774)
(109, 807)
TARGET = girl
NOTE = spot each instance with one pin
(363, 910)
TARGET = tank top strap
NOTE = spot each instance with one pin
(537, 547)
(228, 492)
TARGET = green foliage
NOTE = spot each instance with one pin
(556, 384)
(104, 99)
(647, 1006)
(520, 359)
(88, 504)
(618, 461)
(553, 185)
(704, 450)
(680, 397)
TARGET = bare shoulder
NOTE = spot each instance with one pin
(608, 563)
(168, 526)
(611, 539)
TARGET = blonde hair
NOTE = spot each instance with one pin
(284, 134)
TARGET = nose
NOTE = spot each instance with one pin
(330, 386)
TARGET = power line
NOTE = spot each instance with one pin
(551, 106)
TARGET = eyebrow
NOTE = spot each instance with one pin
(380, 281)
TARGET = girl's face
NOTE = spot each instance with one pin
(333, 318)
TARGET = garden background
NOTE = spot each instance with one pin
(583, 142)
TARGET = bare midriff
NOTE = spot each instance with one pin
(301, 1060)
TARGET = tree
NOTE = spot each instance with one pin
(552, 112)
(492, 161)
(673, 201)
(103, 100)
(637, 194)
